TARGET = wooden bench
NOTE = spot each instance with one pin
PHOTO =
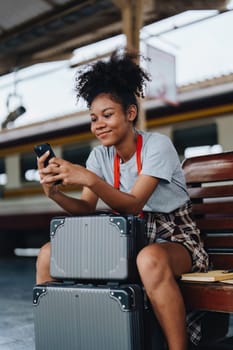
(210, 186)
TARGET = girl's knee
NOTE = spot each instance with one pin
(43, 265)
(153, 260)
(154, 268)
(43, 255)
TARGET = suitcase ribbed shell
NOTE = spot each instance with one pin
(88, 318)
(94, 247)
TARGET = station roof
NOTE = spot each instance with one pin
(49, 30)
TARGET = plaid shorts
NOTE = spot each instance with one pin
(179, 227)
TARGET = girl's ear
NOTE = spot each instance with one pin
(132, 112)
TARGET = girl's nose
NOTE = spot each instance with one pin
(100, 123)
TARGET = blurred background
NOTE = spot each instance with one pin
(43, 43)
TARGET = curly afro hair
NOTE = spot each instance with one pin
(120, 76)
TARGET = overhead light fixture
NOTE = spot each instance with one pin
(17, 110)
(12, 116)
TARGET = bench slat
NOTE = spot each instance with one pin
(216, 296)
(215, 224)
(210, 185)
(208, 168)
(213, 208)
(210, 192)
(222, 261)
(218, 241)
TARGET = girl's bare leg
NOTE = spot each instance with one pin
(159, 265)
(43, 265)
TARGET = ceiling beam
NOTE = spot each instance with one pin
(132, 21)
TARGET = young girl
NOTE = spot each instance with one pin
(133, 172)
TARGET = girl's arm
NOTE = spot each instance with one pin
(123, 202)
(95, 188)
(74, 206)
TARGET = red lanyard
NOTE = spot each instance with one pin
(117, 162)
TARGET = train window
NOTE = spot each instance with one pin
(3, 176)
(204, 135)
(76, 153)
(28, 167)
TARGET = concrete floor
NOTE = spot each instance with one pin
(17, 278)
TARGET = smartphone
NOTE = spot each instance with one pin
(41, 149)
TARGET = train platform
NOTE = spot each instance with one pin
(17, 278)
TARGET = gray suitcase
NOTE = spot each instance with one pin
(85, 317)
(96, 247)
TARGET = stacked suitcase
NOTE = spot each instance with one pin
(99, 303)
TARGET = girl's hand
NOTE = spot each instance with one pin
(65, 172)
(48, 187)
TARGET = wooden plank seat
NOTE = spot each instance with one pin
(210, 184)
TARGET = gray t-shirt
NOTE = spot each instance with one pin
(159, 159)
